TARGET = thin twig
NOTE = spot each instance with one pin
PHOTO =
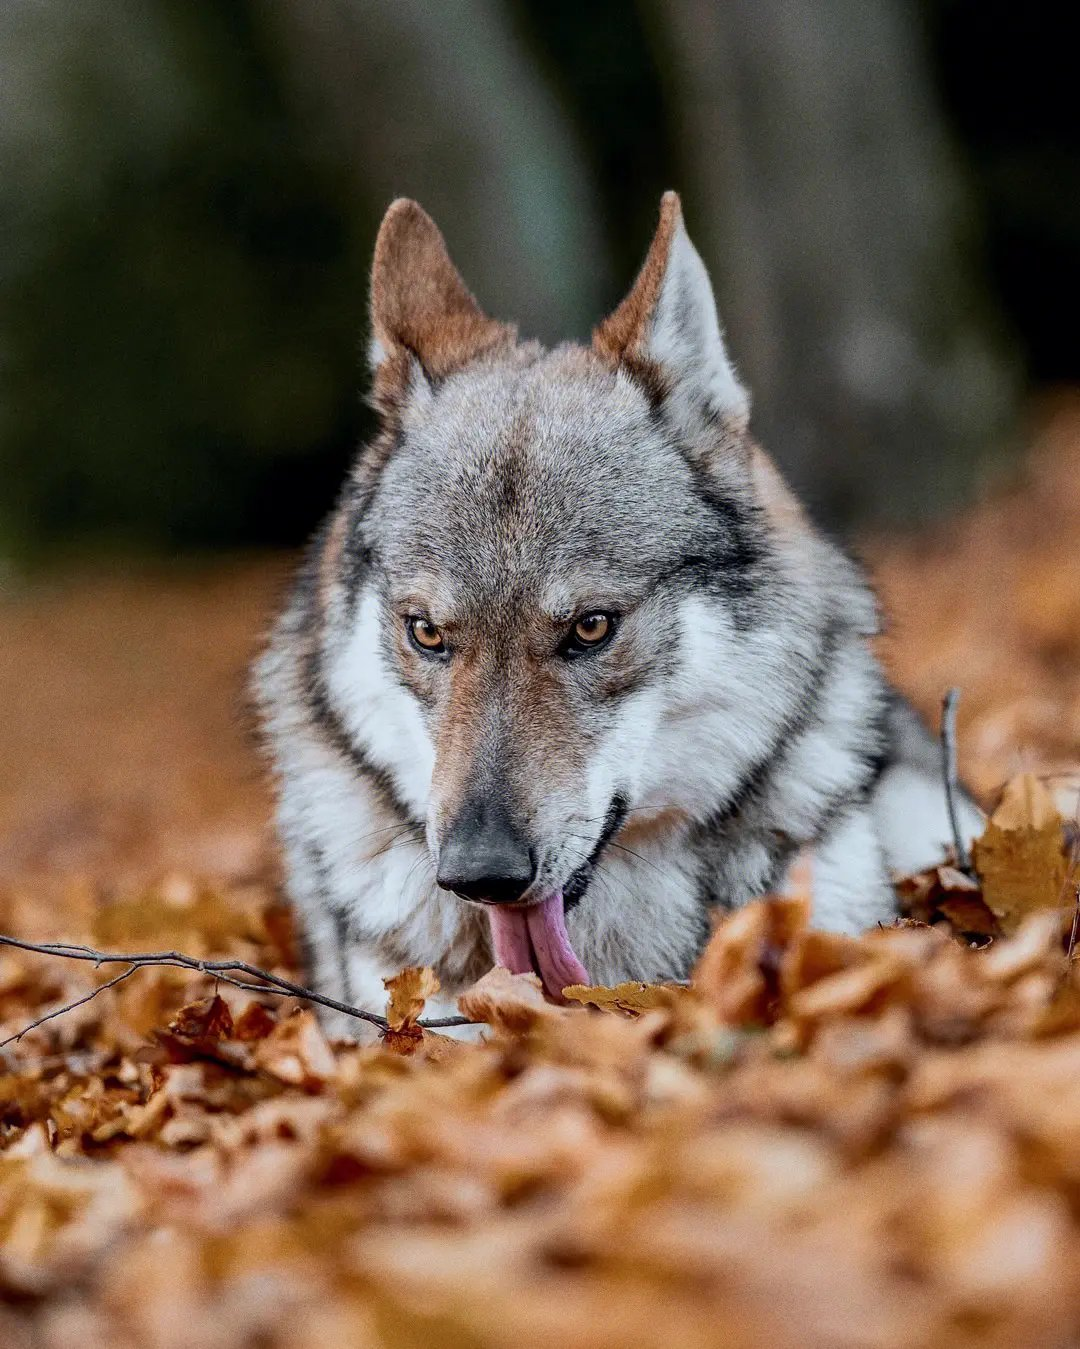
(70, 1006)
(1075, 930)
(255, 981)
(1071, 878)
(952, 782)
(1072, 834)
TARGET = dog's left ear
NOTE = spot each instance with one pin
(666, 333)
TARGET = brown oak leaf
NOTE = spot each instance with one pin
(409, 991)
(1020, 858)
(631, 998)
(511, 1002)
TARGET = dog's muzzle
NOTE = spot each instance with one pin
(484, 858)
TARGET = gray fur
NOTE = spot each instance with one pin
(738, 716)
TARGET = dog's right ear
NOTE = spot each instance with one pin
(425, 323)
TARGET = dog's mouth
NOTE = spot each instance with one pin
(534, 940)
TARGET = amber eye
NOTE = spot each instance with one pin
(425, 636)
(590, 632)
(592, 628)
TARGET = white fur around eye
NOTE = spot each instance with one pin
(374, 711)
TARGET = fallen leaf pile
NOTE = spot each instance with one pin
(825, 1142)
(1026, 860)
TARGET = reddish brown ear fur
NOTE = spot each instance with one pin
(621, 336)
(419, 303)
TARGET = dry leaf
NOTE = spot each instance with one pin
(198, 1029)
(1020, 857)
(208, 1019)
(409, 990)
(509, 1002)
(968, 914)
(632, 998)
(945, 892)
(739, 972)
(296, 1051)
(854, 1140)
(255, 1022)
(799, 883)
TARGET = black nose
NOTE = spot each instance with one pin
(484, 857)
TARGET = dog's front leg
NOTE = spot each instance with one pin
(337, 967)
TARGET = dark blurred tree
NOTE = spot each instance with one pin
(1008, 77)
(189, 193)
(442, 102)
(602, 63)
(827, 198)
(173, 333)
(189, 196)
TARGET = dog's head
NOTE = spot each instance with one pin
(539, 525)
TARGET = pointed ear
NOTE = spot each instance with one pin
(666, 333)
(424, 320)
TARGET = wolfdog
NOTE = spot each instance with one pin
(567, 668)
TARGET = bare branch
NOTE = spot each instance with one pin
(1071, 877)
(952, 781)
(255, 980)
(70, 1006)
(1074, 931)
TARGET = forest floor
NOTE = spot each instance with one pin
(827, 1142)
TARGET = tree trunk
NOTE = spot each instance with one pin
(820, 188)
(440, 102)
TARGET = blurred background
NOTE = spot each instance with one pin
(887, 193)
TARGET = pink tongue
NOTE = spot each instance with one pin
(519, 935)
